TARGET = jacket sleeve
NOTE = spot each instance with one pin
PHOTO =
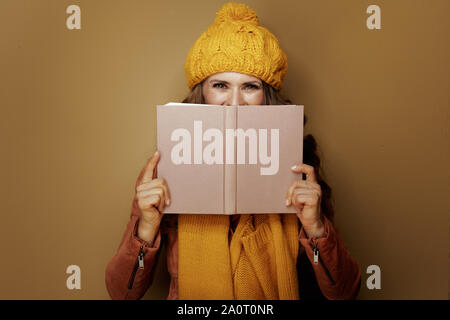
(124, 277)
(337, 273)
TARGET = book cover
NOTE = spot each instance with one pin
(229, 159)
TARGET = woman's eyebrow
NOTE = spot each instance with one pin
(218, 80)
(252, 82)
(226, 82)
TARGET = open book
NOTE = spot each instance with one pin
(229, 159)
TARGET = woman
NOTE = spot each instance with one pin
(260, 256)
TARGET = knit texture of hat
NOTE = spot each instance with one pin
(235, 42)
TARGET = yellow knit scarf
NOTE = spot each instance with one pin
(259, 263)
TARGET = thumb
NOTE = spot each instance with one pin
(151, 169)
(155, 171)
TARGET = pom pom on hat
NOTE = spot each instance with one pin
(236, 12)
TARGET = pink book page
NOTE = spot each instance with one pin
(194, 188)
(261, 188)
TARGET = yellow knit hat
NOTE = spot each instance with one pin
(235, 42)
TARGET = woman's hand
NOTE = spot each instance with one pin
(152, 195)
(306, 196)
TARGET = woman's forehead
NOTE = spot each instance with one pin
(233, 76)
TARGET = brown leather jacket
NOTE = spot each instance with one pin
(129, 273)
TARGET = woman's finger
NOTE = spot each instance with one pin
(149, 202)
(306, 169)
(295, 184)
(312, 196)
(162, 198)
(301, 200)
(149, 185)
(300, 184)
(308, 191)
(158, 182)
(151, 193)
(150, 171)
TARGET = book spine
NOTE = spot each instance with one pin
(229, 188)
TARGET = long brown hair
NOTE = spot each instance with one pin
(310, 155)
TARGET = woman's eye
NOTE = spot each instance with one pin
(248, 86)
(219, 85)
(252, 86)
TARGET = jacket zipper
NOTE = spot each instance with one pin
(139, 264)
(317, 258)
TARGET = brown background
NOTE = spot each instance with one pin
(78, 124)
